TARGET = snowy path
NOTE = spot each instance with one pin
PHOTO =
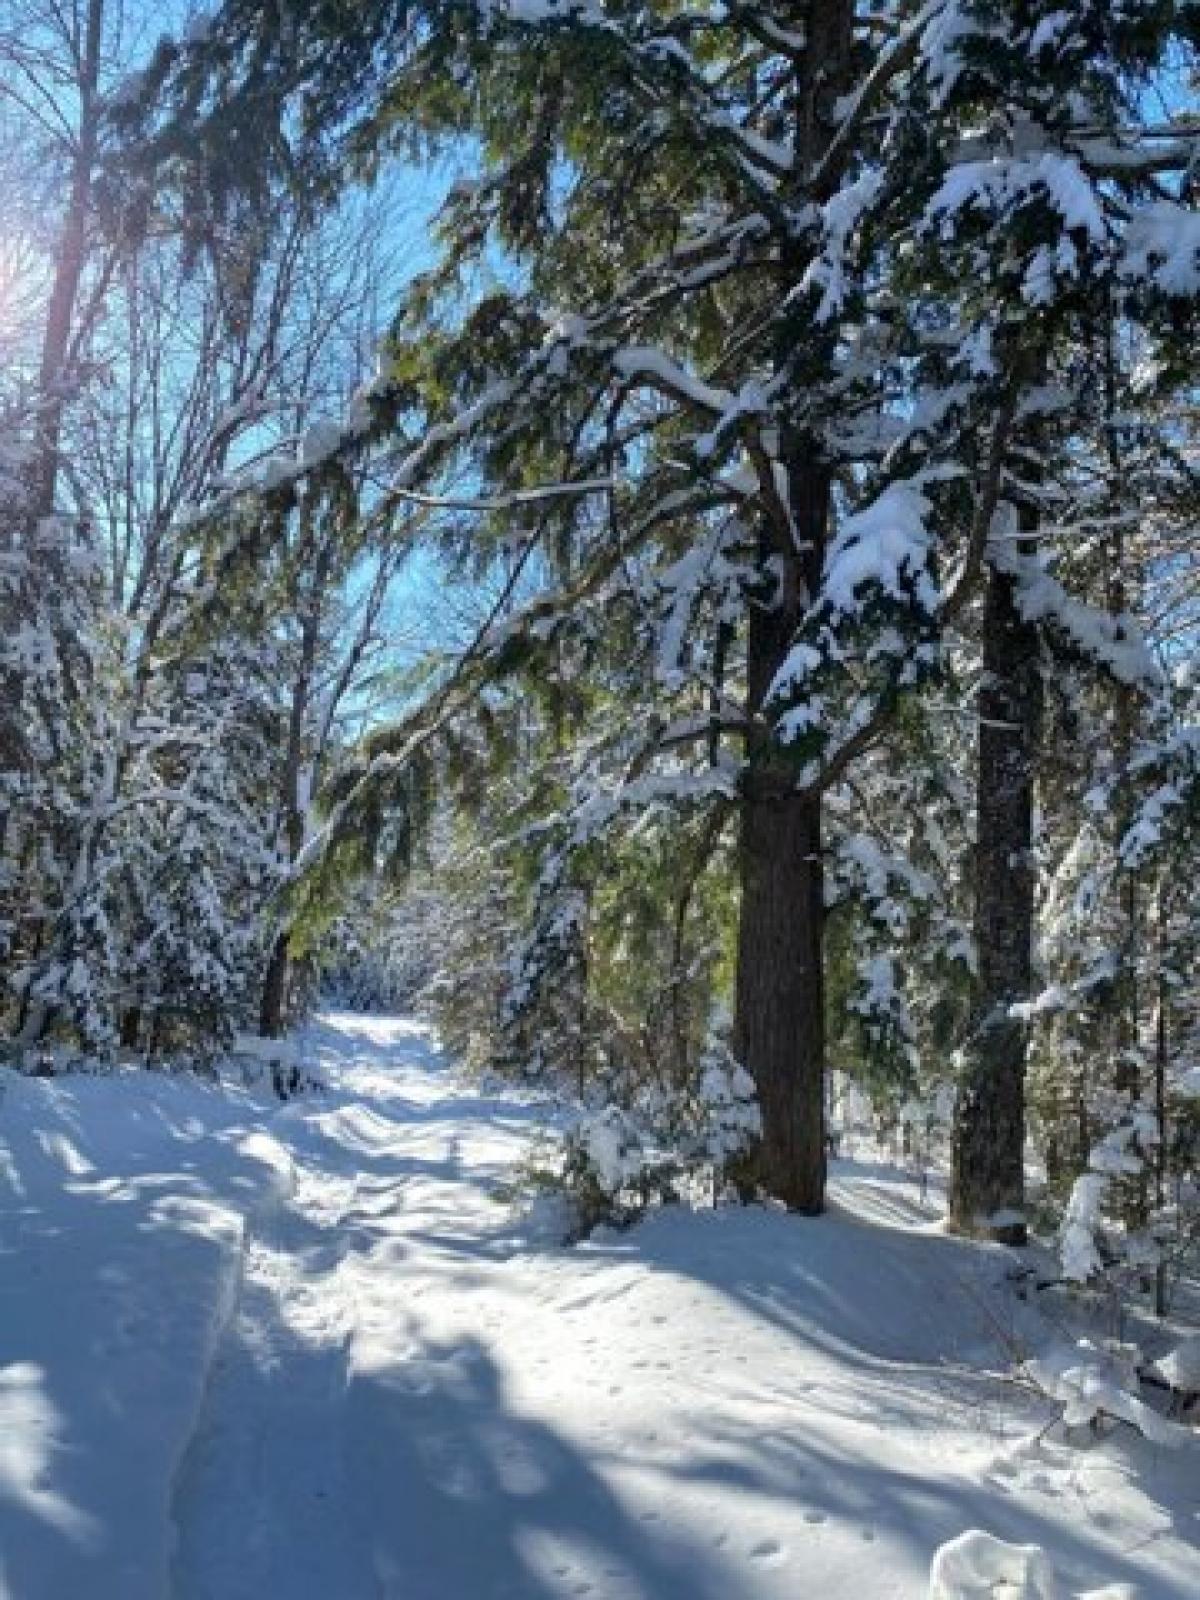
(406, 1401)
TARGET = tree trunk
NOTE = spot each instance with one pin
(779, 1033)
(272, 1008)
(308, 603)
(1162, 1054)
(57, 335)
(987, 1186)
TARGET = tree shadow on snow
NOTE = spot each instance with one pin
(462, 1495)
(891, 1334)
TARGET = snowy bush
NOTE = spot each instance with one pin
(669, 1146)
(1092, 1244)
(609, 1171)
(273, 1063)
(1092, 1381)
(728, 1120)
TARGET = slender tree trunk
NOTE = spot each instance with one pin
(68, 270)
(1161, 1061)
(987, 1186)
(57, 335)
(309, 603)
(273, 1005)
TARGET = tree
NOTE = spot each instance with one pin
(148, 661)
(742, 435)
(705, 378)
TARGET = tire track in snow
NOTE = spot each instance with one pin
(257, 1504)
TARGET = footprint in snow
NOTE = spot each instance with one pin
(768, 1553)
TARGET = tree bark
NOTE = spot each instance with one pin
(780, 1031)
(987, 1185)
(273, 1005)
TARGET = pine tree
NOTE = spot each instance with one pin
(1061, 217)
(789, 326)
(724, 373)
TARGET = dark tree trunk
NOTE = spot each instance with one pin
(1162, 1055)
(272, 1015)
(987, 1185)
(131, 1027)
(779, 1033)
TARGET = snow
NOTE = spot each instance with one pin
(1181, 1367)
(840, 216)
(257, 1048)
(975, 1564)
(885, 543)
(304, 1350)
(1090, 1382)
(998, 183)
(118, 1271)
(643, 363)
(1163, 246)
(612, 1146)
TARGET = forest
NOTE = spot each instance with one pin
(660, 539)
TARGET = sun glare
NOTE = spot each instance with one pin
(21, 288)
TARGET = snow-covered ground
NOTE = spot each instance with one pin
(303, 1353)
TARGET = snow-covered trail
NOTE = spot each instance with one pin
(305, 1437)
(398, 1397)
(411, 1405)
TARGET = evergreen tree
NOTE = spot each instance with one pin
(825, 356)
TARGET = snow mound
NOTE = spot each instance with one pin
(977, 1566)
(1181, 1367)
(1090, 1381)
(278, 1167)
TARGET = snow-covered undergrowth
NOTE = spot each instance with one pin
(611, 1163)
(301, 1351)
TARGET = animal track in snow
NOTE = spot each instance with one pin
(768, 1553)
